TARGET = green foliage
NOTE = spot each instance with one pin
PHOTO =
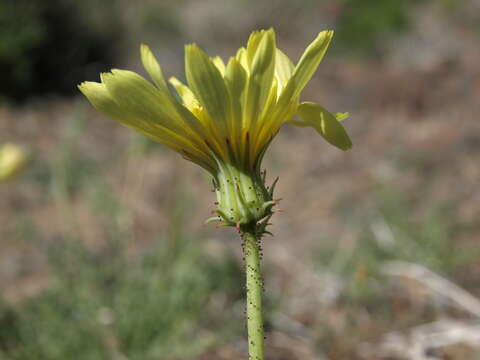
(102, 304)
(363, 26)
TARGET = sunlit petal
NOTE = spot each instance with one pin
(153, 67)
(208, 85)
(326, 124)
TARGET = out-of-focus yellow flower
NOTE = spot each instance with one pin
(12, 160)
(226, 115)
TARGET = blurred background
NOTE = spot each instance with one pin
(103, 254)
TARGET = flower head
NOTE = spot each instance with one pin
(226, 115)
(12, 160)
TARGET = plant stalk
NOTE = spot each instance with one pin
(254, 285)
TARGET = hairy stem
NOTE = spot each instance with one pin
(254, 282)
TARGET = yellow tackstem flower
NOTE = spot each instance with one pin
(12, 160)
(226, 115)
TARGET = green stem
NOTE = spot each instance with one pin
(254, 283)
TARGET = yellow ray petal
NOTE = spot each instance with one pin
(236, 79)
(152, 67)
(265, 122)
(341, 116)
(261, 49)
(218, 62)
(100, 98)
(307, 65)
(141, 99)
(191, 103)
(143, 102)
(283, 69)
(326, 124)
(185, 93)
(241, 56)
(252, 45)
(208, 85)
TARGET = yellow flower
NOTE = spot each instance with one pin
(12, 160)
(226, 116)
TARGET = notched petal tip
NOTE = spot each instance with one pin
(90, 87)
(82, 86)
(98, 95)
(104, 76)
(191, 47)
(254, 43)
(329, 33)
(341, 116)
(116, 71)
